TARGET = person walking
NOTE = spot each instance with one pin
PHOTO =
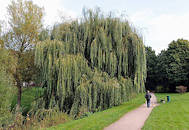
(148, 97)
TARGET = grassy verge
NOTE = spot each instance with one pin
(99, 120)
(170, 116)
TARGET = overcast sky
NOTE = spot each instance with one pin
(160, 21)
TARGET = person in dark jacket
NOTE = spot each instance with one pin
(148, 97)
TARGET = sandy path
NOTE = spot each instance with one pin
(134, 120)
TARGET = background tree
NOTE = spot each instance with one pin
(151, 59)
(173, 65)
(25, 19)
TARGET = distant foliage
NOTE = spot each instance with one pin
(173, 65)
(151, 60)
(91, 64)
(161, 89)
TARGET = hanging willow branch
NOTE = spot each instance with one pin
(91, 65)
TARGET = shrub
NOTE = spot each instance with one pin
(86, 114)
(46, 118)
(162, 89)
(159, 89)
(42, 118)
(6, 87)
(6, 95)
(181, 89)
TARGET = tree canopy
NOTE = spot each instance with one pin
(172, 65)
(151, 62)
(91, 64)
(25, 20)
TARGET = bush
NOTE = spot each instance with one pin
(159, 89)
(6, 95)
(6, 86)
(42, 118)
(162, 89)
(86, 114)
(181, 89)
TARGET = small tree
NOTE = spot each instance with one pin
(25, 19)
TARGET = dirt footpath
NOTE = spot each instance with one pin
(134, 120)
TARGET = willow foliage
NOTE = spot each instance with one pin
(91, 64)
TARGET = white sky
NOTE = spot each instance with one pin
(160, 21)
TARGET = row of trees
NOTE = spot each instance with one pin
(170, 68)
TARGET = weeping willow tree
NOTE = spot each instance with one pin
(91, 64)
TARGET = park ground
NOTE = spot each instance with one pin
(99, 120)
(173, 115)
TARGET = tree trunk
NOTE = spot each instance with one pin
(19, 95)
(18, 81)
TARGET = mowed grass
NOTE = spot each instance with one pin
(170, 116)
(99, 120)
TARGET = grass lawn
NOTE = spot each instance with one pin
(99, 120)
(170, 116)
